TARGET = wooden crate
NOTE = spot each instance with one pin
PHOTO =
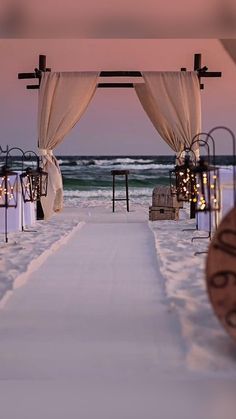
(160, 213)
(161, 197)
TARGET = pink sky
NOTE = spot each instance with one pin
(115, 122)
(118, 18)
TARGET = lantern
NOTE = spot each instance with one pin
(182, 180)
(8, 192)
(43, 182)
(29, 182)
(8, 187)
(34, 184)
(207, 196)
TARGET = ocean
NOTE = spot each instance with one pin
(87, 180)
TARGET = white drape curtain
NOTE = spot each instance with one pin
(172, 102)
(63, 98)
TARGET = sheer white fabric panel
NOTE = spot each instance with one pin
(63, 98)
(172, 102)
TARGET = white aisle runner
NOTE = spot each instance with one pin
(91, 334)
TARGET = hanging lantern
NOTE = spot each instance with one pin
(8, 192)
(8, 187)
(207, 197)
(29, 185)
(182, 181)
(33, 184)
(43, 182)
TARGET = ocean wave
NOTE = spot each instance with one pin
(129, 164)
(143, 203)
(109, 167)
(91, 177)
(87, 183)
(226, 168)
(129, 160)
(154, 166)
(106, 193)
(113, 162)
(65, 162)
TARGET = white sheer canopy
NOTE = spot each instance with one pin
(170, 99)
(63, 98)
(173, 104)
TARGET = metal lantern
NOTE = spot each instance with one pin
(8, 187)
(34, 184)
(207, 197)
(182, 181)
(8, 192)
(29, 185)
(43, 182)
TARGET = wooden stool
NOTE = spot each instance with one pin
(119, 173)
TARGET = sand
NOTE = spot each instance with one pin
(106, 316)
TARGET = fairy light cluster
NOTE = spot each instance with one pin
(34, 184)
(8, 188)
(207, 193)
(29, 186)
(184, 180)
(197, 183)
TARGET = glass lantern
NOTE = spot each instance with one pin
(8, 188)
(43, 182)
(207, 197)
(33, 184)
(182, 180)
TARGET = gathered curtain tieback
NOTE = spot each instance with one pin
(45, 152)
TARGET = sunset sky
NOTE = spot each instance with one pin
(115, 122)
(118, 19)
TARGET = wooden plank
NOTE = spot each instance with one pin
(42, 62)
(27, 76)
(197, 61)
(210, 74)
(120, 74)
(116, 85)
(32, 86)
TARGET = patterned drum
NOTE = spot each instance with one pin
(221, 272)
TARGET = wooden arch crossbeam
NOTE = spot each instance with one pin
(42, 67)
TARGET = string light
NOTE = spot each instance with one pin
(33, 182)
(183, 181)
(207, 186)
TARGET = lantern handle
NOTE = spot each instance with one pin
(3, 151)
(208, 136)
(187, 150)
(30, 153)
(23, 153)
(8, 155)
(234, 152)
